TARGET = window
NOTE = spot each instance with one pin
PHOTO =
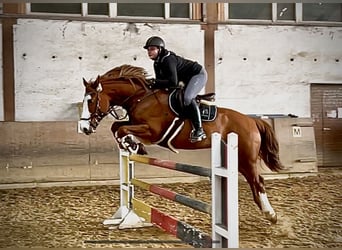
(331, 12)
(280, 12)
(181, 10)
(259, 11)
(162, 10)
(286, 11)
(141, 9)
(98, 9)
(65, 8)
(157, 10)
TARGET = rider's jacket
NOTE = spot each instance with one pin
(170, 69)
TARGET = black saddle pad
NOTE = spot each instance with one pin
(208, 112)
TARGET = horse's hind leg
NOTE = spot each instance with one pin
(256, 182)
(266, 207)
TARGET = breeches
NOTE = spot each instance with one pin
(195, 85)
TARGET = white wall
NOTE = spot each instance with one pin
(47, 88)
(278, 86)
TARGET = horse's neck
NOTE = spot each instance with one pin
(124, 93)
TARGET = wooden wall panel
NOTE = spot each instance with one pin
(54, 152)
(326, 109)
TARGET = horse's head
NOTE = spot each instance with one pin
(119, 87)
(95, 106)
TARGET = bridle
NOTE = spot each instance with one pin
(95, 118)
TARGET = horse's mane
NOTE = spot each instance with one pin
(126, 72)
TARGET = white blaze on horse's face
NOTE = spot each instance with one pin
(85, 117)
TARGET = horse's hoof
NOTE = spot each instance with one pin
(128, 143)
(271, 217)
(141, 149)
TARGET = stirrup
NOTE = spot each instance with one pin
(194, 137)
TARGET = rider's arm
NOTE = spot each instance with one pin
(169, 67)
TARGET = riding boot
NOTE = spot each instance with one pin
(197, 134)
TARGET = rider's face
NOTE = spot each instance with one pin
(152, 52)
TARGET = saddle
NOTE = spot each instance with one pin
(208, 109)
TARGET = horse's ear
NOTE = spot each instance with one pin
(97, 85)
(85, 83)
(96, 82)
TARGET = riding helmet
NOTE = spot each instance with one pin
(154, 41)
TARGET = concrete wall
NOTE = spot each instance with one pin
(51, 57)
(247, 81)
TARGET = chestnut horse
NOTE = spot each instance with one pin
(152, 121)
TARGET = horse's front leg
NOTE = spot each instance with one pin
(124, 136)
(115, 126)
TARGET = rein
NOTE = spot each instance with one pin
(148, 92)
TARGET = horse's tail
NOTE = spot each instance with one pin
(269, 149)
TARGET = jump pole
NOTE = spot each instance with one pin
(173, 196)
(134, 213)
(185, 168)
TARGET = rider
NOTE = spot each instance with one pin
(170, 69)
